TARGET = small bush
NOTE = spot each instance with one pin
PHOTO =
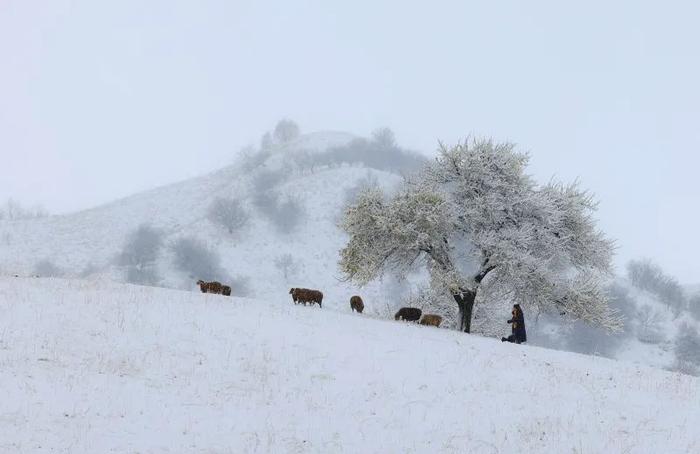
(649, 325)
(192, 257)
(46, 268)
(286, 131)
(288, 215)
(139, 255)
(228, 213)
(286, 264)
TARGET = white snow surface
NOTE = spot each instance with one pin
(92, 366)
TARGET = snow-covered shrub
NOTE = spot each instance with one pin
(649, 276)
(649, 327)
(384, 138)
(473, 218)
(46, 268)
(286, 131)
(194, 258)
(228, 213)
(286, 264)
(687, 350)
(139, 255)
(288, 215)
(264, 184)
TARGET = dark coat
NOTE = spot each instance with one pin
(518, 324)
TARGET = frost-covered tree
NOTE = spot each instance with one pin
(286, 264)
(286, 131)
(228, 213)
(139, 254)
(474, 218)
(384, 138)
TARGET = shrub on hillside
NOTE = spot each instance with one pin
(228, 213)
(46, 268)
(287, 215)
(286, 130)
(687, 350)
(286, 265)
(648, 276)
(195, 259)
(139, 255)
(649, 325)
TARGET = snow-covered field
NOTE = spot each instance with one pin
(97, 367)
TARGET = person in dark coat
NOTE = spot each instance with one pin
(517, 326)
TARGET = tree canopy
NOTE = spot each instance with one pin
(473, 217)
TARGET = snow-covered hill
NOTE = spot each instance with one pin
(87, 243)
(94, 366)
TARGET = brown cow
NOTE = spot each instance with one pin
(410, 314)
(356, 304)
(431, 320)
(305, 295)
(210, 287)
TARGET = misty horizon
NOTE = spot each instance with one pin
(103, 102)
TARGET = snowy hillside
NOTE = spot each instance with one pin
(88, 242)
(317, 184)
(93, 366)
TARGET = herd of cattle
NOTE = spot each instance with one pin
(307, 296)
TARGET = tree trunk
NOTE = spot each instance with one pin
(465, 300)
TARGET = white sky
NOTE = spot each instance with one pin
(100, 99)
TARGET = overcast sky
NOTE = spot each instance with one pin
(100, 99)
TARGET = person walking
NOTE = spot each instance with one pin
(517, 324)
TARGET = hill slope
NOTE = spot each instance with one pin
(93, 366)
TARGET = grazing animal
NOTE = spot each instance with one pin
(431, 320)
(356, 304)
(226, 290)
(210, 287)
(305, 295)
(410, 314)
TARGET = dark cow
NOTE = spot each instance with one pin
(410, 314)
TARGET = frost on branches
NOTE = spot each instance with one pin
(476, 220)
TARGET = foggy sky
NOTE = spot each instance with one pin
(99, 99)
